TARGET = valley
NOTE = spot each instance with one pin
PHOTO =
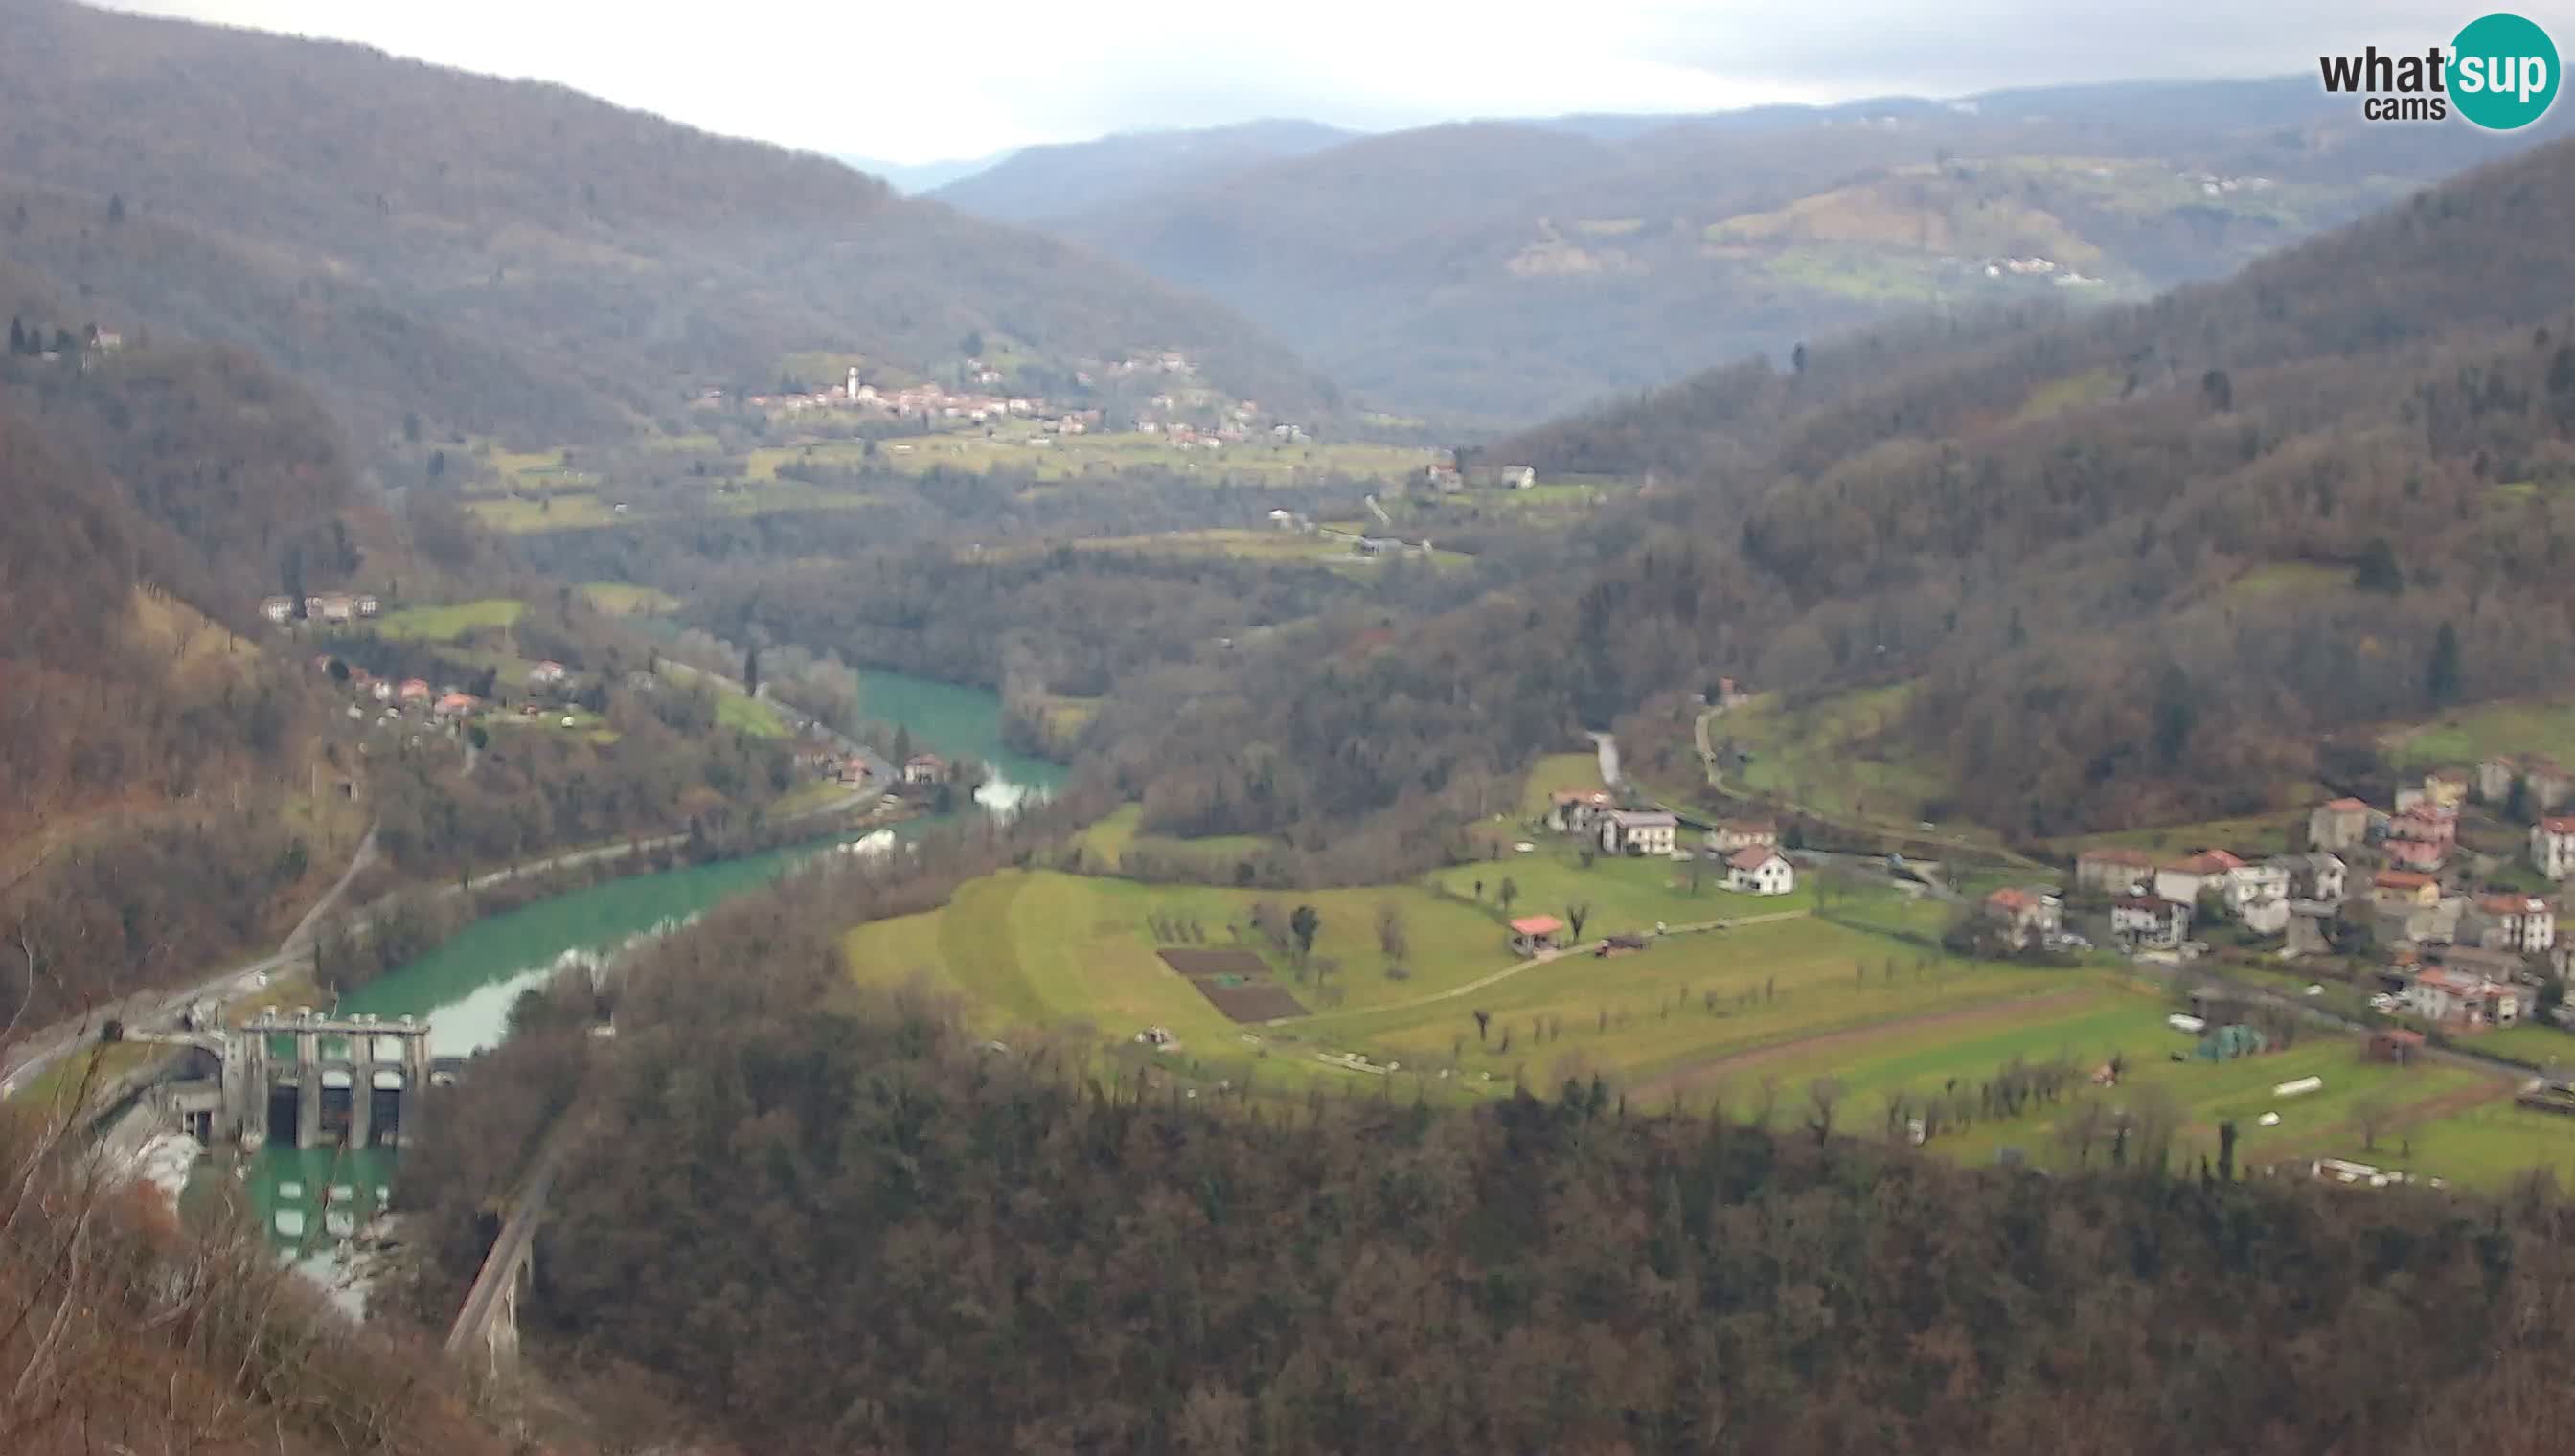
(1541, 782)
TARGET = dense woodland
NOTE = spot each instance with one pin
(821, 1224)
(2060, 534)
(506, 258)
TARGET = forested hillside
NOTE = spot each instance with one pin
(828, 1226)
(150, 742)
(2134, 563)
(505, 258)
(1514, 270)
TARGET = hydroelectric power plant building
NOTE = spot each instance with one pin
(304, 1081)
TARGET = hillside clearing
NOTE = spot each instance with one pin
(448, 623)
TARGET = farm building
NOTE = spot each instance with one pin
(1533, 934)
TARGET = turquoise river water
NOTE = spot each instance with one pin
(465, 989)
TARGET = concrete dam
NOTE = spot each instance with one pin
(303, 1081)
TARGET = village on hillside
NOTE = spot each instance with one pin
(1176, 405)
(2459, 939)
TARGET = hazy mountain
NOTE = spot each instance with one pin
(1513, 269)
(914, 178)
(1036, 183)
(508, 258)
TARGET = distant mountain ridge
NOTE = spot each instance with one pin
(1511, 270)
(511, 259)
(1046, 181)
(911, 179)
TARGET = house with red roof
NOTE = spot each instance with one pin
(2427, 824)
(2114, 869)
(2523, 924)
(2462, 1002)
(2184, 879)
(1574, 810)
(2149, 922)
(2025, 914)
(1760, 869)
(2403, 890)
(2418, 854)
(2337, 826)
(2552, 846)
(1533, 934)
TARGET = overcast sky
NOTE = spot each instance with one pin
(914, 82)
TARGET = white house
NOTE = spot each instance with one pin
(2552, 847)
(1760, 870)
(2184, 882)
(2148, 921)
(2519, 923)
(924, 768)
(2248, 883)
(2114, 869)
(277, 609)
(1638, 832)
(546, 671)
(1573, 812)
(2315, 875)
(2266, 915)
(2455, 998)
(2025, 914)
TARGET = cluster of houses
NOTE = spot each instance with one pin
(408, 697)
(933, 400)
(443, 706)
(1748, 849)
(321, 607)
(1445, 476)
(2456, 954)
(1232, 420)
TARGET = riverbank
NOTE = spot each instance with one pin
(953, 718)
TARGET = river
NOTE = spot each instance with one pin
(955, 719)
(465, 987)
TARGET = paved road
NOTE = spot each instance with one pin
(31, 1057)
(1607, 748)
(41, 1050)
(1896, 833)
(2216, 976)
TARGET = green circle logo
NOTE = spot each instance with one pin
(2503, 72)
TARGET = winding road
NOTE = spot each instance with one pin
(33, 1054)
(1879, 829)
